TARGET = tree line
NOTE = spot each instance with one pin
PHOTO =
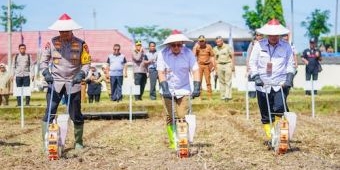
(316, 23)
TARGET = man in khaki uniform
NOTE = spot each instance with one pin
(69, 59)
(206, 62)
(225, 66)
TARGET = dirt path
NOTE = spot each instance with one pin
(222, 141)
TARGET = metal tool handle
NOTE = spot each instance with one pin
(50, 105)
(282, 94)
(69, 98)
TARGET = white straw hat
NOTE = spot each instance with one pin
(176, 36)
(273, 27)
(65, 23)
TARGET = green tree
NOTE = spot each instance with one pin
(17, 19)
(316, 24)
(329, 41)
(273, 9)
(149, 33)
(253, 18)
(263, 13)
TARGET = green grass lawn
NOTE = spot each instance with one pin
(328, 101)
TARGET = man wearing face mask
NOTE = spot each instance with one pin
(69, 59)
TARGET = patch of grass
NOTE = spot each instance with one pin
(328, 101)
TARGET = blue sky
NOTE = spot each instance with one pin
(174, 14)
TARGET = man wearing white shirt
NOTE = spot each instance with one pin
(272, 65)
(175, 63)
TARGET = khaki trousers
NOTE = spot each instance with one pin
(205, 70)
(181, 106)
(224, 76)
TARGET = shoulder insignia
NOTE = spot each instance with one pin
(85, 55)
(75, 45)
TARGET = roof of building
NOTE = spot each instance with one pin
(220, 28)
(100, 43)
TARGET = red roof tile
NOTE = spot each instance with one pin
(100, 43)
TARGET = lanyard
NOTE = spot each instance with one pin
(271, 53)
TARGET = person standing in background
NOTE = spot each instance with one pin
(153, 73)
(257, 38)
(94, 87)
(311, 57)
(285, 37)
(117, 69)
(106, 78)
(206, 61)
(5, 85)
(23, 71)
(140, 68)
(224, 55)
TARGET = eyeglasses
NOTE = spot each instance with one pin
(176, 45)
(116, 49)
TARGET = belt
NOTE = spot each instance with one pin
(152, 68)
(224, 63)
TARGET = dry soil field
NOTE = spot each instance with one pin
(223, 140)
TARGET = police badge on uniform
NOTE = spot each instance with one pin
(56, 58)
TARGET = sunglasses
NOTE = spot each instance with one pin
(176, 45)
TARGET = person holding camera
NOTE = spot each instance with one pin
(94, 87)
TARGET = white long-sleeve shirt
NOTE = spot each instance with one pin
(281, 57)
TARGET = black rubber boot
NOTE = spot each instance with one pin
(78, 136)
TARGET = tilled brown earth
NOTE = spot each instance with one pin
(222, 141)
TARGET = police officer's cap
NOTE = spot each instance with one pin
(138, 42)
(312, 40)
(201, 38)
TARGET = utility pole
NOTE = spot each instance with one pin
(94, 14)
(9, 31)
(336, 28)
(292, 18)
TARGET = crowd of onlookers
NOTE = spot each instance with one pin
(217, 61)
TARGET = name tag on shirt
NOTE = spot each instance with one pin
(269, 67)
